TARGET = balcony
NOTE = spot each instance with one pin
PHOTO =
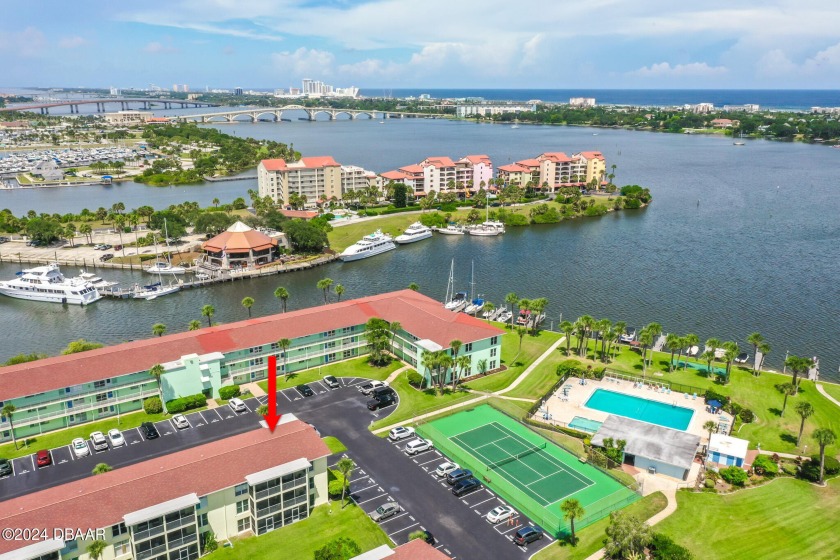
(37, 418)
(268, 492)
(160, 549)
(180, 522)
(138, 536)
(269, 510)
(189, 539)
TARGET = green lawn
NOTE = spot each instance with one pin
(357, 367)
(540, 380)
(591, 538)
(759, 394)
(414, 402)
(832, 389)
(335, 445)
(300, 540)
(58, 438)
(787, 518)
(515, 360)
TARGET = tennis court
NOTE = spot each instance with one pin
(529, 471)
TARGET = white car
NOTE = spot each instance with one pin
(499, 514)
(418, 446)
(180, 421)
(115, 437)
(237, 405)
(80, 447)
(99, 442)
(400, 432)
(370, 386)
(446, 468)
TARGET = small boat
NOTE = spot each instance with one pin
(475, 306)
(457, 303)
(164, 267)
(692, 351)
(414, 232)
(504, 316)
(738, 143)
(484, 231)
(153, 291)
(524, 318)
(96, 280)
(202, 276)
(451, 230)
(370, 245)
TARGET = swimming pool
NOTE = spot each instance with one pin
(653, 412)
(584, 424)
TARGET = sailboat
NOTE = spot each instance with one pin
(165, 266)
(488, 228)
(454, 301)
(476, 303)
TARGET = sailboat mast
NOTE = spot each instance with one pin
(472, 282)
(450, 286)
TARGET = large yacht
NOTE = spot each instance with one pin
(47, 283)
(370, 245)
(414, 232)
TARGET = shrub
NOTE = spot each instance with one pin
(415, 378)
(765, 465)
(810, 470)
(176, 406)
(153, 405)
(747, 416)
(516, 220)
(832, 465)
(663, 548)
(334, 489)
(712, 395)
(229, 391)
(569, 367)
(736, 476)
(733, 408)
(790, 469)
(709, 483)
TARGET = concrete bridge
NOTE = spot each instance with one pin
(145, 103)
(276, 114)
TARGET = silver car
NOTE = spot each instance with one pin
(385, 511)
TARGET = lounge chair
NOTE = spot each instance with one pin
(685, 395)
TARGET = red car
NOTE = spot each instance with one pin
(43, 458)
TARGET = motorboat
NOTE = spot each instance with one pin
(153, 291)
(475, 306)
(524, 318)
(490, 314)
(629, 335)
(370, 245)
(414, 232)
(504, 316)
(484, 231)
(738, 143)
(165, 267)
(96, 280)
(451, 230)
(692, 351)
(457, 303)
(47, 283)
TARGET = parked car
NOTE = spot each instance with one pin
(99, 442)
(418, 446)
(115, 437)
(331, 382)
(180, 421)
(400, 432)
(5, 467)
(500, 513)
(105, 246)
(149, 430)
(428, 537)
(527, 534)
(305, 390)
(382, 391)
(106, 257)
(466, 486)
(99, 247)
(381, 402)
(385, 511)
(446, 468)
(237, 405)
(80, 448)
(43, 458)
(367, 388)
(458, 475)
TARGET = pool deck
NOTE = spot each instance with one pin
(564, 411)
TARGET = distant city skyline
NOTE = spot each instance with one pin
(468, 44)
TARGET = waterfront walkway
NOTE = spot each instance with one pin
(825, 394)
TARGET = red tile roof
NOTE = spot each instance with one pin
(478, 159)
(439, 161)
(557, 157)
(239, 242)
(420, 315)
(102, 500)
(307, 162)
(513, 168)
(394, 175)
(304, 214)
(529, 162)
(413, 168)
(417, 549)
(274, 164)
(319, 161)
(592, 155)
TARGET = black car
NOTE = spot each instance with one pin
(382, 392)
(305, 390)
(457, 475)
(466, 486)
(106, 257)
(427, 536)
(149, 430)
(5, 467)
(527, 534)
(381, 401)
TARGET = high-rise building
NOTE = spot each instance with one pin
(441, 174)
(237, 91)
(552, 170)
(316, 178)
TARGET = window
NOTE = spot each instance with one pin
(256, 361)
(255, 350)
(98, 384)
(101, 397)
(122, 548)
(492, 364)
(202, 520)
(241, 489)
(492, 352)
(468, 347)
(494, 341)
(243, 524)
(118, 529)
(242, 506)
(202, 502)
(328, 334)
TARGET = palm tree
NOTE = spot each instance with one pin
(787, 389)
(489, 306)
(572, 509)
(537, 307)
(208, 311)
(70, 233)
(339, 290)
(284, 344)
(324, 284)
(86, 230)
(672, 341)
(567, 329)
(101, 468)
(824, 437)
(8, 413)
(345, 466)
(603, 326)
(282, 294)
(731, 353)
(194, 325)
(804, 409)
(446, 362)
(463, 363)
(756, 340)
(520, 332)
(708, 356)
(156, 371)
(646, 338)
(691, 339)
(158, 329)
(511, 299)
(455, 345)
(681, 344)
(588, 323)
(96, 548)
(764, 348)
(524, 305)
(394, 327)
(429, 361)
(414, 287)
(247, 303)
(798, 365)
(710, 426)
(216, 202)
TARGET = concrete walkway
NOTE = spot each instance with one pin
(825, 394)
(255, 389)
(397, 372)
(532, 367)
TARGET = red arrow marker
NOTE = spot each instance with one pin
(272, 417)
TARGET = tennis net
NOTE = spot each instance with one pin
(506, 460)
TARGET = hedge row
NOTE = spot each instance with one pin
(229, 391)
(176, 406)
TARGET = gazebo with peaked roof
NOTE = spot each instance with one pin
(240, 246)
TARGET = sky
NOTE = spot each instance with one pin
(540, 44)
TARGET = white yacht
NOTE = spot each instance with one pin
(153, 291)
(46, 283)
(414, 232)
(485, 230)
(458, 302)
(97, 281)
(370, 245)
(164, 267)
(451, 230)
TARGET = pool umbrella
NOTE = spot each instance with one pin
(714, 403)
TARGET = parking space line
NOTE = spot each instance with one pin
(403, 514)
(374, 498)
(430, 461)
(483, 502)
(219, 414)
(374, 485)
(403, 529)
(506, 531)
(33, 461)
(283, 392)
(324, 387)
(360, 478)
(72, 455)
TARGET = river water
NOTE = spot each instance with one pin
(738, 239)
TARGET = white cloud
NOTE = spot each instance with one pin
(156, 47)
(28, 43)
(304, 63)
(73, 42)
(693, 70)
(827, 60)
(775, 63)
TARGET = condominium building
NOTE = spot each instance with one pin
(63, 391)
(316, 178)
(490, 109)
(748, 108)
(582, 101)
(552, 170)
(161, 509)
(442, 174)
(128, 117)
